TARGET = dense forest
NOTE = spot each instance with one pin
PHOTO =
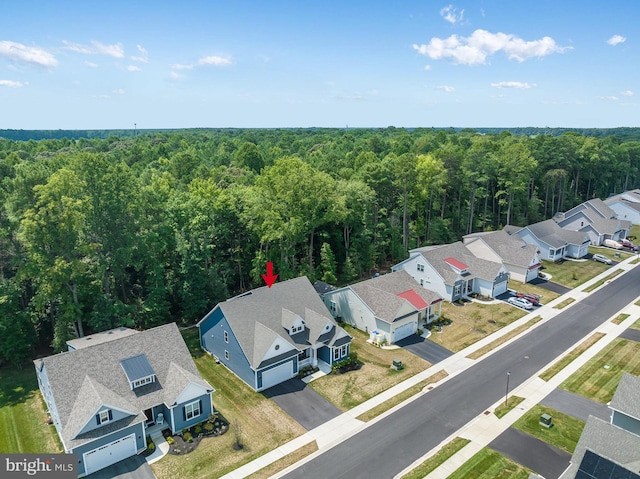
(141, 230)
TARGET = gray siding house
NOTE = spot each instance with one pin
(267, 334)
(108, 388)
(389, 307)
(554, 242)
(626, 206)
(596, 219)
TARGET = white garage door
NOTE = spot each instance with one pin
(500, 288)
(277, 375)
(404, 331)
(108, 454)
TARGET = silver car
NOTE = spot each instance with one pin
(520, 303)
(601, 258)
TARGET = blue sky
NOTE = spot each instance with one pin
(491, 63)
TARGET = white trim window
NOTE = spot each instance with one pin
(420, 267)
(192, 410)
(104, 416)
(336, 354)
(226, 337)
(456, 290)
(226, 355)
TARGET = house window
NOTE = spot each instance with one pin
(226, 355)
(333, 306)
(104, 416)
(336, 354)
(456, 290)
(192, 410)
(296, 329)
(343, 350)
(421, 267)
(422, 282)
(141, 382)
(226, 337)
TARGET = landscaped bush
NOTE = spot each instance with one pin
(208, 426)
(442, 321)
(170, 440)
(348, 363)
(198, 428)
(150, 445)
(306, 371)
(187, 437)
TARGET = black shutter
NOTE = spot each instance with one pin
(110, 415)
(184, 413)
(98, 419)
(200, 406)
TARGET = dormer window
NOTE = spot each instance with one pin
(104, 416)
(138, 371)
(297, 329)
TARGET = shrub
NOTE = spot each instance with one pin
(419, 332)
(208, 427)
(352, 358)
(150, 446)
(198, 428)
(187, 436)
(185, 431)
(170, 440)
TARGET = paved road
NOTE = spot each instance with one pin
(537, 455)
(302, 403)
(575, 405)
(632, 334)
(393, 443)
(135, 467)
(427, 350)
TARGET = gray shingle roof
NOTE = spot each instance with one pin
(511, 249)
(252, 314)
(479, 268)
(381, 293)
(551, 233)
(623, 199)
(627, 396)
(608, 441)
(83, 380)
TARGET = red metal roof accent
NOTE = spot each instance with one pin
(414, 298)
(459, 265)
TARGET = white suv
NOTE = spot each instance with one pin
(520, 303)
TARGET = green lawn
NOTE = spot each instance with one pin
(488, 464)
(504, 408)
(564, 303)
(566, 360)
(263, 425)
(600, 282)
(437, 459)
(635, 325)
(22, 414)
(573, 273)
(564, 434)
(620, 318)
(503, 339)
(599, 378)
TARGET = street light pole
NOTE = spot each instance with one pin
(506, 396)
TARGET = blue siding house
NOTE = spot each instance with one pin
(267, 334)
(105, 391)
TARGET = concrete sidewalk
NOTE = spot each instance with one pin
(480, 431)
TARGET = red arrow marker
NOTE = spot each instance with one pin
(269, 278)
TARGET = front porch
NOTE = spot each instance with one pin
(323, 370)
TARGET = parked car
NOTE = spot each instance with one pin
(532, 298)
(601, 258)
(520, 302)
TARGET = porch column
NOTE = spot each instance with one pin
(314, 356)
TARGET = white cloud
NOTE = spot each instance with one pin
(626, 93)
(451, 14)
(513, 84)
(427, 67)
(446, 88)
(610, 98)
(133, 68)
(13, 84)
(91, 64)
(214, 60)
(204, 61)
(176, 76)
(29, 55)
(118, 91)
(475, 49)
(96, 48)
(144, 55)
(616, 39)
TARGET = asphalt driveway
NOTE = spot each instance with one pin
(632, 334)
(425, 349)
(302, 403)
(546, 460)
(575, 405)
(135, 467)
(550, 285)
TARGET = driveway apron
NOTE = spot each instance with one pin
(531, 452)
(425, 349)
(135, 467)
(575, 405)
(302, 403)
(632, 334)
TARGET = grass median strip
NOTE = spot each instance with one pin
(564, 433)
(599, 283)
(620, 318)
(503, 339)
(566, 360)
(403, 396)
(635, 325)
(564, 303)
(504, 408)
(439, 458)
(285, 462)
(490, 464)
